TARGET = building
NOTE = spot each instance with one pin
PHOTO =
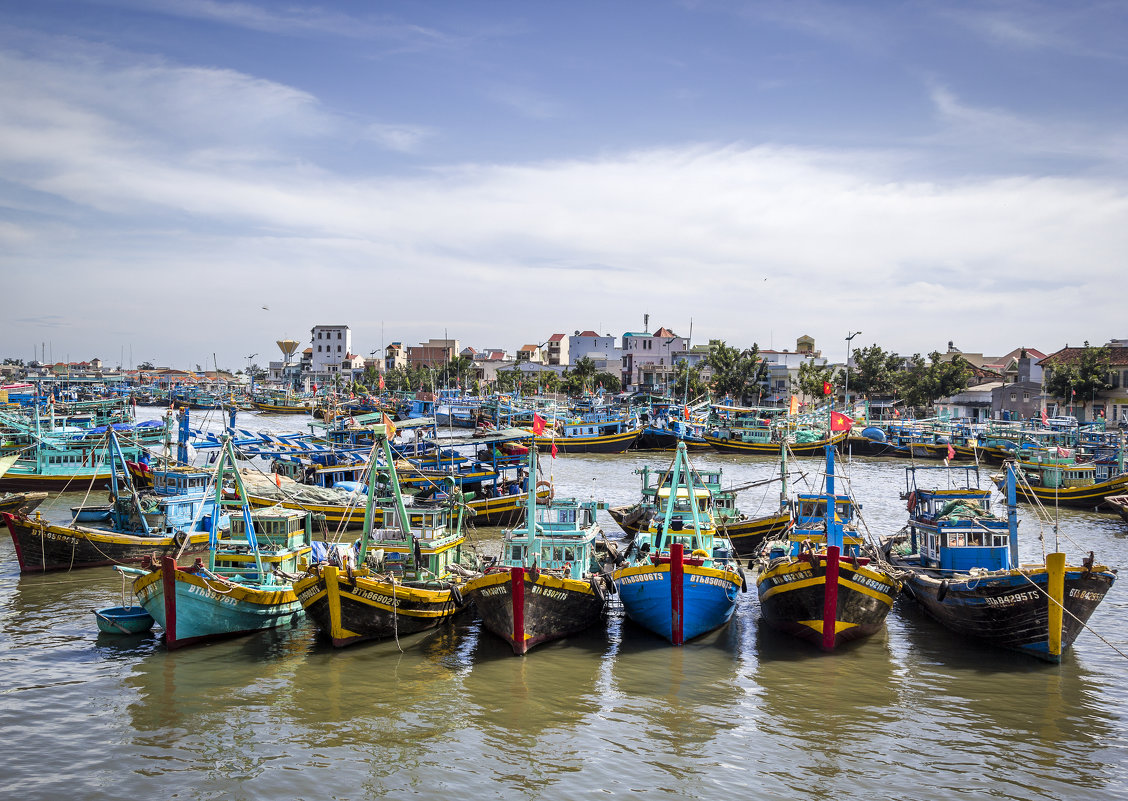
(783, 370)
(648, 359)
(556, 350)
(602, 351)
(331, 345)
(432, 353)
(1110, 404)
(533, 354)
(395, 357)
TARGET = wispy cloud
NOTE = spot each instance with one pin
(1087, 29)
(300, 20)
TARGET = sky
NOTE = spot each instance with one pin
(185, 182)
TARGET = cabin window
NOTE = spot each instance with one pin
(558, 553)
(515, 554)
(569, 554)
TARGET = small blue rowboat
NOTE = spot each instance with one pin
(123, 620)
(91, 514)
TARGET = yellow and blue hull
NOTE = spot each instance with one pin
(650, 593)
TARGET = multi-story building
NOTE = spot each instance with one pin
(432, 353)
(601, 350)
(331, 345)
(648, 359)
(395, 357)
(556, 349)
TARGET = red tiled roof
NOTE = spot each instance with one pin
(664, 333)
(555, 337)
(1117, 357)
(588, 334)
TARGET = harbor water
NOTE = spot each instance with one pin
(913, 712)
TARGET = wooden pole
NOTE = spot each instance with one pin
(1055, 568)
(677, 597)
(517, 593)
(830, 599)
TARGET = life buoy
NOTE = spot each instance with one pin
(912, 500)
(548, 486)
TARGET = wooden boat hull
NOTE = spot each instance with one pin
(748, 535)
(350, 610)
(42, 546)
(1010, 610)
(661, 439)
(497, 511)
(194, 608)
(772, 448)
(647, 593)
(1090, 497)
(608, 443)
(545, 608)
(274, 408)
(78, 481)
(1120, 504)
(793, 598)
(21, 502)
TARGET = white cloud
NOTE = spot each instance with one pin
(150, 226)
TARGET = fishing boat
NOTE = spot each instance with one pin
(282, 403)
(1054, 477)
(753, 431)
(139, 526)
(21, 502)
(399, 580)
(1120, 504)
(680, 577)
(595, 432)
(245, 585)
(746, 533)
(961, 565)
(547, 582)
(822, 584)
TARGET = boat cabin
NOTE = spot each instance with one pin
(278, 538)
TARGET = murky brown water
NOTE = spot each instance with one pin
(742, 713)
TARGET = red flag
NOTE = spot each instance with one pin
(538, 424)
(554, 450)
(826, 387)
(687, 413)
(840, 422)
(381, 382)
(1072, 392)
(951, 451)
(1045, 419)
(896, 413)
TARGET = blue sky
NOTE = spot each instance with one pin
(502, 171)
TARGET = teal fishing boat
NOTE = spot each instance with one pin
(246, 583)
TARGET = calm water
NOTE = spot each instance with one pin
(745, 713)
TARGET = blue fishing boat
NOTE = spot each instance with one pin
(547, 582)
(962, 567)
(680, 577)
(138, 525)
(246, 584)
(823, 583)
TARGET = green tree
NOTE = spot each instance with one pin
(1086, 375)
(813, 378)
(459, 371)
(688, 382)
(873, 371)
(609, 381)
(921, 383)
(736, 373)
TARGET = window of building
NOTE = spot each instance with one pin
(319, 335)
(338, 335)
(1014, 397)
(319, 349)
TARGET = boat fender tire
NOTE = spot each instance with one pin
(179, 538)
(743, 579)
(456, 596)
(942, 592)
(597, 588)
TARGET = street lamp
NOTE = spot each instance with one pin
(846, 387)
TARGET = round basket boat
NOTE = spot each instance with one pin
(124, 620)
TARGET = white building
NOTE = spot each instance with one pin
(648, 359)
(601, 350)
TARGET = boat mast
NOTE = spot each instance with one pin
(1012, 513)
(833, 529)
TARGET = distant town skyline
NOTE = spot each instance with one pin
(204, 177)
